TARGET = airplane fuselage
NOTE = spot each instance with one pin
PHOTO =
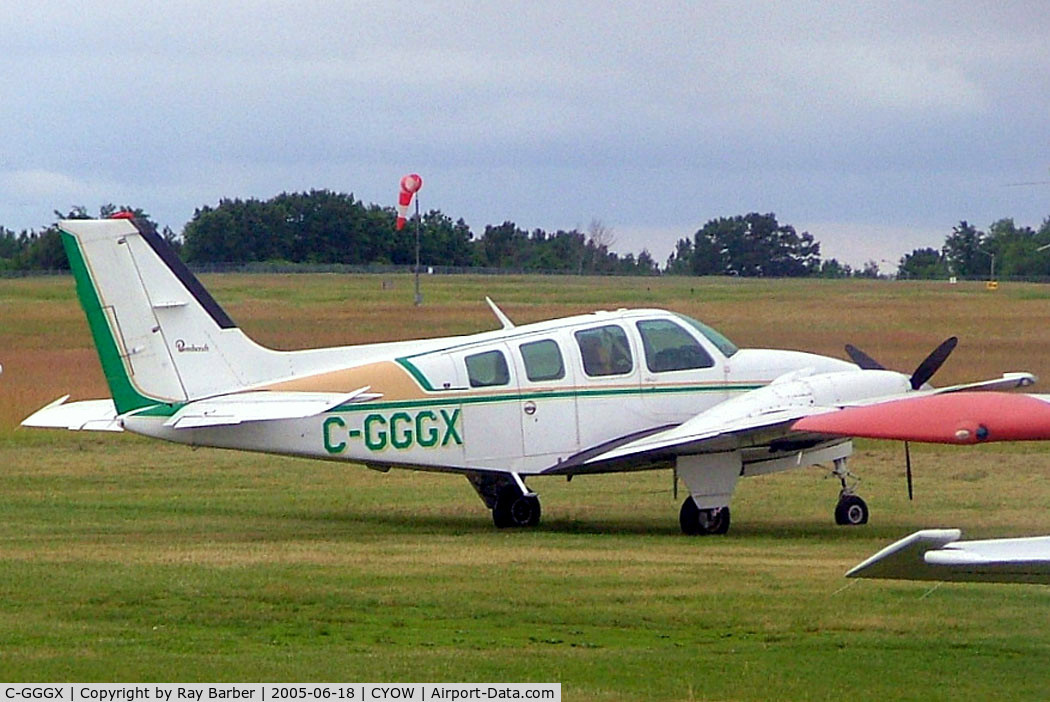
(518, 400)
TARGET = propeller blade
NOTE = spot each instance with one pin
(907, 467)
(933, 362)
(862, 359)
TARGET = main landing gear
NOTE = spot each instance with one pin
(851, 509)
(703, 522)
(513, 505)
(513, 509)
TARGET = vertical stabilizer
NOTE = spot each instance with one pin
(160, 335)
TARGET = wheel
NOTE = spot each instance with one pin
(516, 510)
(851, 511)
(703, 522)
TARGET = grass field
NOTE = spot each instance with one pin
(126, 560)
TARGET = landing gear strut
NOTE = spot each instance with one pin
(703, 522)
(513, 505)
(851, 510)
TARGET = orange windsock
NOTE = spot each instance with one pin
(410, 185)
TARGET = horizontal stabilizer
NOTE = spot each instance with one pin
(87, 415)
(937, 554)
(261, 405)
(952, 418)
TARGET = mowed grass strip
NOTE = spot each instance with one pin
(124, 559)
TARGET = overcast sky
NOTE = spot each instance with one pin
(874, 126)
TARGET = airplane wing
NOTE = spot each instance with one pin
(954, 418)
(224, 410)
(790, 413)
(1008, 381)
(707, 432)
(937, 554)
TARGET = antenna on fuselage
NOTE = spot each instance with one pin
(503, 319)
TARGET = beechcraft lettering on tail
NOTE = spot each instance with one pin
(182, 347)
(596, 393)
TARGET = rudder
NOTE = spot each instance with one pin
(161, 337)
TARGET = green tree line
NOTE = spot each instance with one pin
(324, 227)
(41, 250)
(1005, 250)
(752, 245)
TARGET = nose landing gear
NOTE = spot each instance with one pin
(851, 510)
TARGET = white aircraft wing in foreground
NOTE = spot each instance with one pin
(937, 554)
(595, 393)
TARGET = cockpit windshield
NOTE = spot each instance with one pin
(727, 347)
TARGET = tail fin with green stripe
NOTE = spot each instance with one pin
(161, 337)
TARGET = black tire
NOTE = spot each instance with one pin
(703, 522)
(851, 511)
(514, 511)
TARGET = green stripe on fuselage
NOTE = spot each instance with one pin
(582, 394)
(415, 373)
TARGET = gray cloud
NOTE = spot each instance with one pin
(889, 117)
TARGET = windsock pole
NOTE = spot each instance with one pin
(410, 185)
(419, 295)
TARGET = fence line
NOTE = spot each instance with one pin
(389, 269)
(372, 268)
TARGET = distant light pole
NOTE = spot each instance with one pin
(889, 265)
(991, 272)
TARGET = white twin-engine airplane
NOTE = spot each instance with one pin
(595, 393)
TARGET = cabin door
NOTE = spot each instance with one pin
(547, 405)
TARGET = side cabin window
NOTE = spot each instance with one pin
(542, 360)
(605, 351)
(668, 347)
(487, 369)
